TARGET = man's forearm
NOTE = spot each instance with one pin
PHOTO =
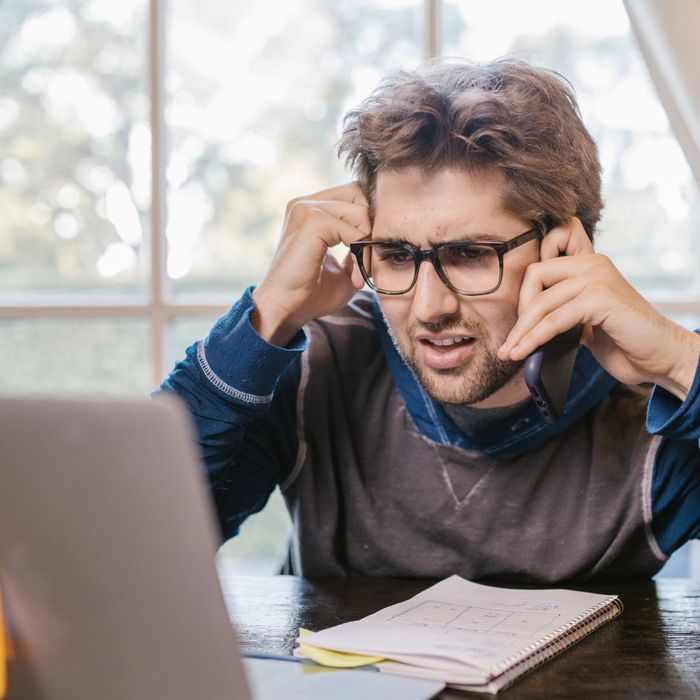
(229, 381)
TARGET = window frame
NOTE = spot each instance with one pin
(158, 306)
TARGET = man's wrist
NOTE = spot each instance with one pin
(271, 325)
(680, 378)
(237, 361)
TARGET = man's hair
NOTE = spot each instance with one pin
(505, 117)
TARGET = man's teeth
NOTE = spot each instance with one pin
(449, 341)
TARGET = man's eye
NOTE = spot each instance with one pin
(395, 256)
(468, 255)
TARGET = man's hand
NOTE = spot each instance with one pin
(304, 280)
(625, 333)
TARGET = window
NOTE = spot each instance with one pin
(147, 150)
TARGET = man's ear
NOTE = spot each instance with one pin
(566, 239)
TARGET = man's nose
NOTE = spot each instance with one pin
(432, 299)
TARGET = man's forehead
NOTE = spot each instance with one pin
(484, 181)
(445, 203)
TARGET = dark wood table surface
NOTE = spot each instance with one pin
(651, 651)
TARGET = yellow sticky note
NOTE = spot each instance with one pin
(334, 659)
(3, 653)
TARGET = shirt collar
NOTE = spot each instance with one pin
(590, 384)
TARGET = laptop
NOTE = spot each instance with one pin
(107, 564)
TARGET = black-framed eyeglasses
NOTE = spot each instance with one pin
(470, 269)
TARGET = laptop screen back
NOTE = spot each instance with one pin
(107, 548)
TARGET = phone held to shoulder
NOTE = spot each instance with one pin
(548, 373)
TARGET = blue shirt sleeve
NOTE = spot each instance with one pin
(241, 392)
(676, 482)
(669, 416)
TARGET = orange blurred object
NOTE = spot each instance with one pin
(3, 652)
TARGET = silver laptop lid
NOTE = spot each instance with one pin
(107, 550)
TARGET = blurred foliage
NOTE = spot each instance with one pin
(74, 124)
(263, 536)
(72, 95)
(75, 356)
(305, 74)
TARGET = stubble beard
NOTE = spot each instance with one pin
(478, 378)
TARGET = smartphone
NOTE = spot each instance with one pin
(548, 373)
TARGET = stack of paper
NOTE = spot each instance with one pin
(468, 635)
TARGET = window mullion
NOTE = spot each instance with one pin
(158, 185)
(432, 28)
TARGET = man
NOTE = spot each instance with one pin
(397, 424)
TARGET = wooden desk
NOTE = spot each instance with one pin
(651, 651)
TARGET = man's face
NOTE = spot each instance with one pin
(449, 206)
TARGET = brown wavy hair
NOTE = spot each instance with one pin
(506, 117)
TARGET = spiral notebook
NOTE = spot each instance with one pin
(468, 635)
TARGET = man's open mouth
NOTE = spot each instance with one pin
(446, 353)
(448, 342)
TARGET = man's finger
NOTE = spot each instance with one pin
(327, 229)
(347, 192)
(540, 276)
(353, 214)
(561, 319)
(542, 305)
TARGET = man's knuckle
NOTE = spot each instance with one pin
(304, 211)
(603, 260)
(296, 210)
(292, 203)
(314, 213)
(598, 289)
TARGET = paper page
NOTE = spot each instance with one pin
(457, 624)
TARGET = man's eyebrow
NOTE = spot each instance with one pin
(391, 240)
(465, 238)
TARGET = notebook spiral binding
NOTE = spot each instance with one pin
(553, 644)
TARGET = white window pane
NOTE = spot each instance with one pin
(678, 564)
(181, 333)
(690, 321)
(75, 355)
(256, 92)
(74, 146)
(650, 226)
(261, 545)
